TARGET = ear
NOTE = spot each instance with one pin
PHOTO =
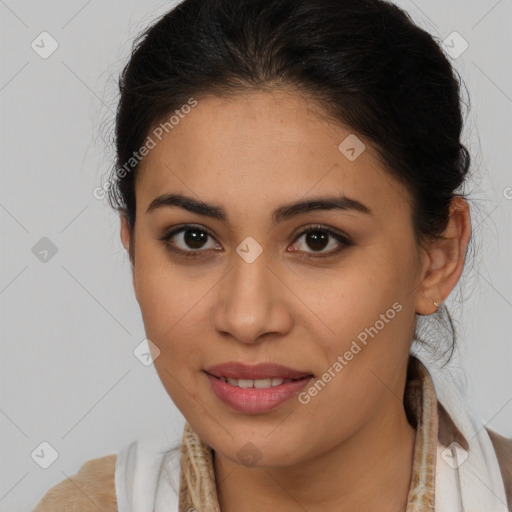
(126, 239)
(444, 261)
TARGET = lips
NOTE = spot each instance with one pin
(256, 395)
(235, 370)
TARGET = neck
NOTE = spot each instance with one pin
(370, 470)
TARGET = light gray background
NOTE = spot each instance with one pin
(69, 326)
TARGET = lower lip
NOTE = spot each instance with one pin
(253, 400)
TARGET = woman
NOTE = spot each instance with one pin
(288, 181)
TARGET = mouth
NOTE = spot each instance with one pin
(256, 383)
(255, 388)
(246, 375)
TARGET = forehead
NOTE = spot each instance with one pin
(261, 149)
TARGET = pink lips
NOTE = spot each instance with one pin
(257, 371)
(254, 400)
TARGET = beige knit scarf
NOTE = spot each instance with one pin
(198, 492)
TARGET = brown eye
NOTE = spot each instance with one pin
(195, 238)
(318, 238)
(189, 240)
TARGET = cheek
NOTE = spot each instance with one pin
(172, 311)
(355, 296)
(182, 383)
(159, 291)
(158, 306)
(169, 321)
(369, 310)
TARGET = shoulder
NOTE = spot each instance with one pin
(503, 448)
(92, 488)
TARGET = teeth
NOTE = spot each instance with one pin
(256, 383)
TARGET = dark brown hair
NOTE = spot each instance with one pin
(364, 62)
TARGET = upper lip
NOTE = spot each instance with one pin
(237, 370)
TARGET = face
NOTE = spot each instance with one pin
(330, 290)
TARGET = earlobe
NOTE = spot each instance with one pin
(445, 260)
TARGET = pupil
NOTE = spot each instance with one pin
(317, 239)
(195, 238)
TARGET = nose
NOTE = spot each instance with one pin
(251, 303)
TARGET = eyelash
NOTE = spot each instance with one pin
(311, 228)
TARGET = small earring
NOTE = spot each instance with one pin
(436, 304)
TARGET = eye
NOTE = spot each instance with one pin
(189, 240)
(318, 238)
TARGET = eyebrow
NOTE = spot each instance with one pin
(283, 212)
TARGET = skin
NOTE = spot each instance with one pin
(351, 447)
